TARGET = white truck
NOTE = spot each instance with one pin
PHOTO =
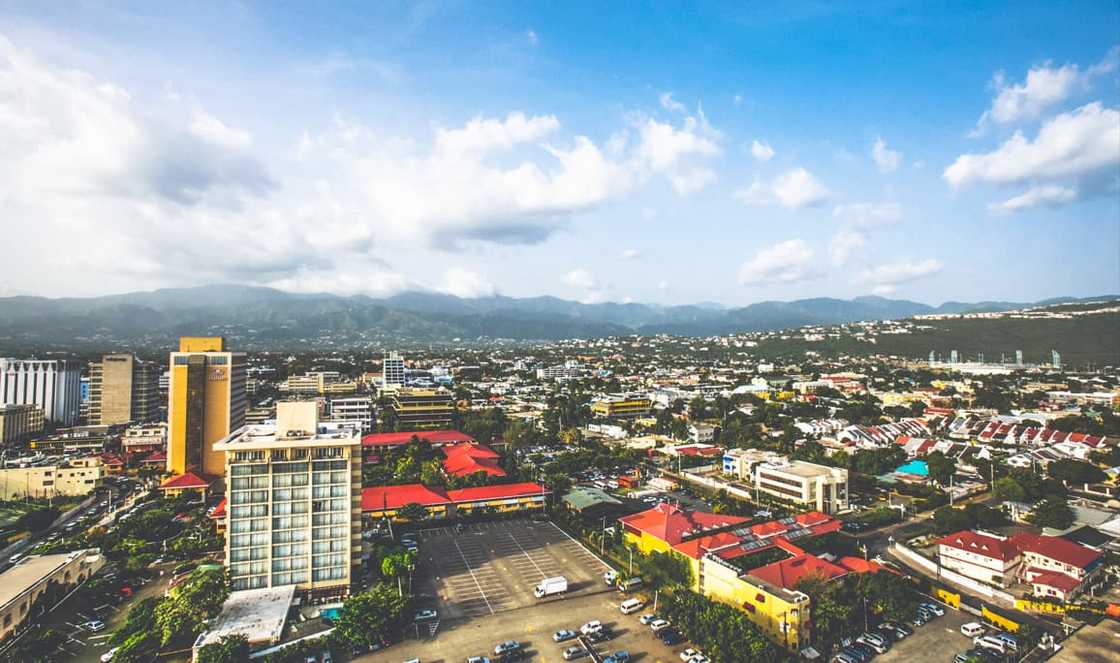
(551, 586)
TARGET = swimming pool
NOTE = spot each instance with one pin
(918, 467)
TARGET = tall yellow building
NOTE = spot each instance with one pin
(206, 402)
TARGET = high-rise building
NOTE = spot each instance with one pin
(19, 422)
(123, 389)
(392, 370)
(52, 384)
(205, 402)
(1018, 357)
(1055, 359)
(417, 409)
(293, 515)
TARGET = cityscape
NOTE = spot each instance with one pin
(431, 332)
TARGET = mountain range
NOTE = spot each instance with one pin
(266, 316)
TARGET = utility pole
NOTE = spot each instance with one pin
(630, 572)
(602, 535)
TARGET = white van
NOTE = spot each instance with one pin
(631, 605)
(988, 642)
(972, 629)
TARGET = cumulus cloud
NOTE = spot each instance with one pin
(761, 151)
(885, 158)
(1045, 86)
(1069, 145)
(869, 214)
(785, 262)
(670, 104)
(887, 277)
(1049, 195)
(465, 283)
(793, 189)
(844, 244)
(581, 278)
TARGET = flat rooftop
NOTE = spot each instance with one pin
(268, 436)
(796, 468)
(257, 614)
(28, 572)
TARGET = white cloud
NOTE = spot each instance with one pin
(785, 262)
(1045, 86)
(465, 283)
(483, 135)
(357, 279)
(533, 38)
(677, 152)
(671, 104)
(581, 278)
(869, 214)
(887, 277)
(209, 128)
(794, 189)
(692, 180)
(844, 244)
(762, 151)
(737, 100)
(631, 254)
(886, 158)
(1049, 195)
(1071, 144)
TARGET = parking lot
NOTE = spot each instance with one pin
(492, 567)
(937, 641)
(533, 628)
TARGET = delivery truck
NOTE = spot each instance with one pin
(551, 586)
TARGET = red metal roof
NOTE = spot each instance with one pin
(788, 572)
(497, 492)
(670, 523)
(466, 459)
(982, 544)
(1052, 579)
(219, 511)
(377, 498)
(430, 436)
(186, 480)
(1056, 548)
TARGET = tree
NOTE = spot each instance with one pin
(187, 607)
(941, 467)
(985, 516)
(397, 564)
(947, 519)
(833, 609)
(1075, 472)
(37, 520)
(1052, 512)
(366, 618)
(1008, 489)
(412, 511)
(230, 649)
(888, 595)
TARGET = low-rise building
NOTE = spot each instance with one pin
(75, 477)
(144, 438)
(622, 406)
(386, 501)
(419, 409)
(352, 408)
(38, 579)
(820, 487)
(982, 556)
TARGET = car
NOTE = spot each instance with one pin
(506, 646)
(879, 646)
(572, 653)
(701, 659)
(413, 660)
(478, 659)
(591, 627)
(972, 629)
(646, 618)
(1007, 639)
(842, 657)
(94, 625)
(618, 657)
(658, 625)
(859, 654)
(689, 654)
(670, 636)
(108, 656)
(934, 608)
(601, 636)
(918, 620)
(515, 655)
(425, 616)
(903, 630)
(563, 635)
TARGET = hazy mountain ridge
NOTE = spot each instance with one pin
(266, 314)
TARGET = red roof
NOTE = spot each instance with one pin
(185, 480)
(859, 564)
(219, 511)
(498, 492)
(693, 450)
(788, 572)
(695, 548)
(466, 459)
(377, 498)
(1052, 579)
(111, 459)
(669, 523)
(1056, 548)
(430, 436)
(982, 544)
(156, 457)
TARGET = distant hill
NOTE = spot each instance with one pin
(264, 316)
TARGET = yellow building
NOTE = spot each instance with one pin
(76, 477)
(782, 614)
(19, 422)
(417, 409)
(622, 407)
(206, 401)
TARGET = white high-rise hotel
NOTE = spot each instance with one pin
(392, 370)
(52, 384)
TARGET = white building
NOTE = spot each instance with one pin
(52, 384)
(818, 486)
(352, 408)
(392, 370)
(293, 515)
(982, 556)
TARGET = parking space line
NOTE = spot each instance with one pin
(473, 576)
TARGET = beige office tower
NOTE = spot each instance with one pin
(293, 510)
(206, 401)
(123, 389)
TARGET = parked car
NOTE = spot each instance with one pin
(670, 636)
(572, 653)
(658, 625)
(689, 654)
(1008, 639)
(108, 656)
(859, 654)
(618, 657)
(601, 635)
(94, 625)
(875, 642)
(426, 616)
(933, 607)
(506, 646)
(988, 642)
(591, 627)
(646, 618)
(972, 629)
(478, 659)
(563, 635)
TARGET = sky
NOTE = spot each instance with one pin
(669, 153)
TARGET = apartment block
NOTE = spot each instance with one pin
(206, 401)
(293, 511)
(19, 422)
(392, 370)
(52, 384)
(818, 486)
(352, 408)
(622, 406)
(418, 409)
(123, 389)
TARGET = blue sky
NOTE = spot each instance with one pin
(662, 152)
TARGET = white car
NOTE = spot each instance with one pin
(689, 654)
(658, 625)
(593, 626)
(108, 656)
(646, 618)
(94, 625)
